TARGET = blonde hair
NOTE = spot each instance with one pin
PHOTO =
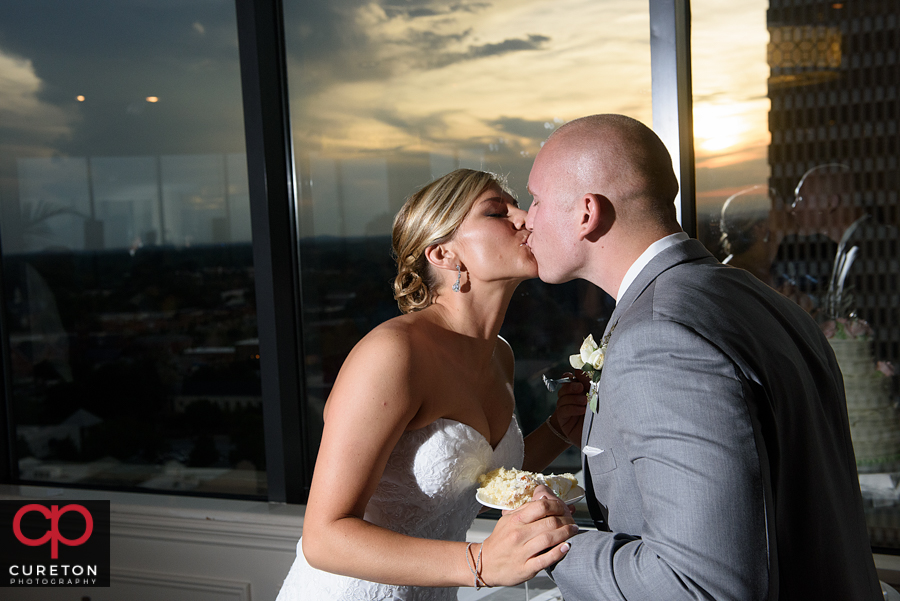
(431, 216)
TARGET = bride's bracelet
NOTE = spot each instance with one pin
(476, 570)
(558, 434)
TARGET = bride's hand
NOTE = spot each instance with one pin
(571, 402)
(527, 540)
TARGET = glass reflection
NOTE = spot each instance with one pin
(812, 210)
(127, 260)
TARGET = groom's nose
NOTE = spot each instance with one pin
(518, 217)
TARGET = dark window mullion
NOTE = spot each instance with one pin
(276, 258)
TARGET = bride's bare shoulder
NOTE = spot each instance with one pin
(385, 364)
(396, 340)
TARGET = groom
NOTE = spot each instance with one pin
(719, 463)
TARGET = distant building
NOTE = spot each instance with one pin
(834, 78)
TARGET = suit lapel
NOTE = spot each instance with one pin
(682, 252)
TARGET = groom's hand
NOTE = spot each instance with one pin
(544, 492)
(570, 406)
(527, 540)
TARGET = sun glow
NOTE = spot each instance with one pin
(719, 127)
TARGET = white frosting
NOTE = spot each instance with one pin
(874, 419)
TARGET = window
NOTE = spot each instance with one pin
(783, 214)
(129, 284)
(386, 97)
(127, 261)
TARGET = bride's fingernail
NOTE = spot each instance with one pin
(564, 547)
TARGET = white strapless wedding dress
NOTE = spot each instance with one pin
(428, 491)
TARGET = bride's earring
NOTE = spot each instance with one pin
(458, 276)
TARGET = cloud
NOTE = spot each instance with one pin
(478, 75)
(431, 41)
(409, 10)
(526, 128)
(475, 52)
(360, 41)
(117, 54)
(429, 127)
(532, 42)
(28, 121)
(364, 74)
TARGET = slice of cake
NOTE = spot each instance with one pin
(511, 488)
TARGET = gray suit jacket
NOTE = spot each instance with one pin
(726, 469)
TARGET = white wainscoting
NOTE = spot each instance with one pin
(150, 586)
(168, 548)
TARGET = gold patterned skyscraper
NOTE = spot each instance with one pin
(833, 87)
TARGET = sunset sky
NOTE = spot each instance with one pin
(731, 105)
(471, 83)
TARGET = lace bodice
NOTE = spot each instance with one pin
(427, 490)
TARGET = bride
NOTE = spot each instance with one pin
(422, 406)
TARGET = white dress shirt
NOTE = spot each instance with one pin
(647, 256)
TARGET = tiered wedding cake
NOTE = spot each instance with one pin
(874, 419)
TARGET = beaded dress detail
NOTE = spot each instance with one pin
(428, 491)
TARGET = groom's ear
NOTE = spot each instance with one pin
(596, 216)
(441, 256)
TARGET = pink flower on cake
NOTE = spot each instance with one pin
(843, 328)
(887, 368)
(856, 328)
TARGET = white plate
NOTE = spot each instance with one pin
(575, 494)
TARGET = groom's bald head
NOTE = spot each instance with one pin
(620, 158)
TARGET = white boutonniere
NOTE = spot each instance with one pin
(590, 359)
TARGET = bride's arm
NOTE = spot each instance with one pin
(542, 445)
(373, 401)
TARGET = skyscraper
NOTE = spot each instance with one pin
(833, 86)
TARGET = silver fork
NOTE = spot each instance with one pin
(554, 385)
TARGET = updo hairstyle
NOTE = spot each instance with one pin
(431, 216)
